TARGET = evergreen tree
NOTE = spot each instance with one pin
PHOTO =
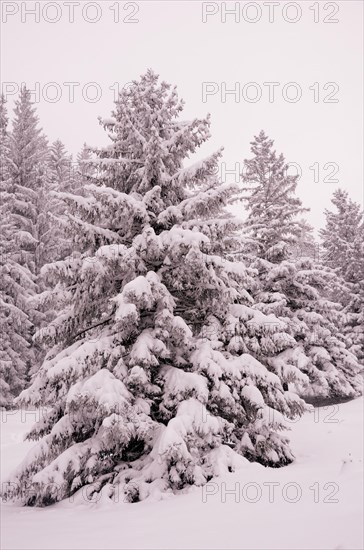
(59, 179)
(28, 155)
(84, 163)
(85, 170)
(295, 289)
(272, 226)
(343, 250)
(53, 244)
(4, 140)
(306, 246)
(343, 229)
(59, 167)
(16, 285)
(147, 385)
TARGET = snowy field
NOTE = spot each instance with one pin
(315, 503)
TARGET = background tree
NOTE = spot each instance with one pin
(85, 170)
(17, 284)
(343, 250)
(295, 289)
(60, 178)
(53, 244)
(272, 224)
(28, 154)
(60, 167)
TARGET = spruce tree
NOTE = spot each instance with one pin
(294, 288)
(60, 167)
(85, 170)
(53, 244)
(272, 225)
(60, 178)
(30, 199)
(147, 385)
(17, 284)
(343, 251)
(28, 155)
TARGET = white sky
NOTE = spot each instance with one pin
(172, 39)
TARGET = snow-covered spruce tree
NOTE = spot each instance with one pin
(28, 154)
(53, 243)
(30, 200)
(60, 166)
(143, 395)
(306, 245)
(63, 176)
(84, 168)
(4, 139)
(294, 288)
(272, 227)
(343, 250)
(60, 178)
(16, 285)
(343, 228)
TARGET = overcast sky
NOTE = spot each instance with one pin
(190, 45)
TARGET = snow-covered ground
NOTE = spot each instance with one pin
(315, 503)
